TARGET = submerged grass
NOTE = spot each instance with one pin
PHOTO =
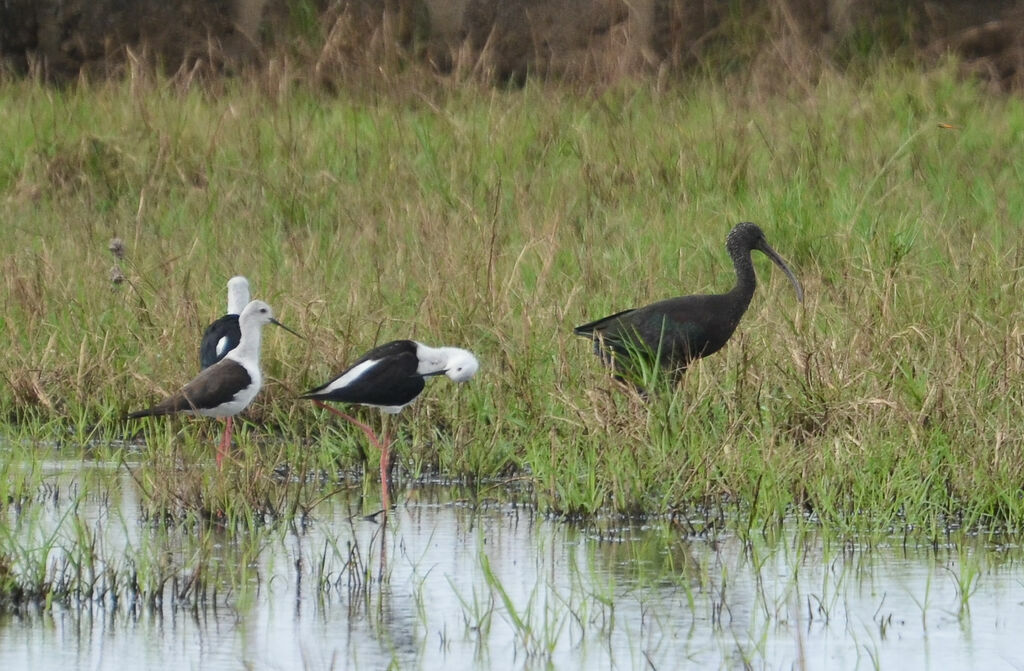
(484, 583)
(496, 220)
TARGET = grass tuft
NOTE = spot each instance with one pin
(498, 219)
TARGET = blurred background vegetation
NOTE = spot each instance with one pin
(330, 41)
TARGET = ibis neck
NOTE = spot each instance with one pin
(746, 281)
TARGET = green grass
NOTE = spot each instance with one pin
(497, 220)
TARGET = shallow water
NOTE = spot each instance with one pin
(458, 586)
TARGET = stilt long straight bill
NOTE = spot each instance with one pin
(274, 321)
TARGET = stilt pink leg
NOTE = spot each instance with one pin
(385, 473)
(366, 429)
(382, 445)
(225, 442)
(382, 570)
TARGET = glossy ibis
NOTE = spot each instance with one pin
(223, 335)
(390, 377)
(676, 331)
(228, 386)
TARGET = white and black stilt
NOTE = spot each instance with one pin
(223, 335)
(390, 377)
(230, 385)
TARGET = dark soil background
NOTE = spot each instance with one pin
(61, 40)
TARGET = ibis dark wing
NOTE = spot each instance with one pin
(680, 329)
(219, 338)
(600, 324)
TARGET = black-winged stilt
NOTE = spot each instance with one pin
(390, 377)
(223, 335)
(229, 386)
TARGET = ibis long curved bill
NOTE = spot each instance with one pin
(763, 246)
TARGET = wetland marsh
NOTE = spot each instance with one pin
(466, 582)
(841, 485)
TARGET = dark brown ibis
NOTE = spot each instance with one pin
(676, 331)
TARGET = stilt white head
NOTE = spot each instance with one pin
(238, 294)
(458, 364)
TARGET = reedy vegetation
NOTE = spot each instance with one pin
(496, 220)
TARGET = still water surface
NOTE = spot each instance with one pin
(453, 585)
